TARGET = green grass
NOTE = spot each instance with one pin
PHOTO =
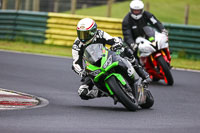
(167, 11)
(185, 63)
(66, 51)
(36, 48)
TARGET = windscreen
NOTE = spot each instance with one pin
(93, 53)
(149, 32)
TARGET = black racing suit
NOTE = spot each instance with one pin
(134, 28)
(104, 38)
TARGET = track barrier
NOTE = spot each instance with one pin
(60, 29)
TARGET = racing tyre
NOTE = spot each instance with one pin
(167, 74)
(123, 96)
(149, 100)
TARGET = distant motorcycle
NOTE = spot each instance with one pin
(115, 76)
(155, 55)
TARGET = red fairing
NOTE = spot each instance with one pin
(157, 55)
(168, 54)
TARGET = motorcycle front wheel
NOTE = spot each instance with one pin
(166, 71)
(123, 96)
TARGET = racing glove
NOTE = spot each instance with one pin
(134, 46)
(165, 32)
(115, 47)
(82, 73)
(118, 44)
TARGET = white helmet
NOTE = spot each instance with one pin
(86, 30)
(136, 9)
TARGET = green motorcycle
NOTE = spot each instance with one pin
(115, 76)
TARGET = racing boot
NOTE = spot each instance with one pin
(141, 72)
(86, 94)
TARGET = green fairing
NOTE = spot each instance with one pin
(114, 64)
(151, 39)
(91, 67)
(119, 77)
(108, 87)
(104, 59)
(96, 79)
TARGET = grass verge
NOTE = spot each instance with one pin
(170, 11)
(66, 51)
(36, 48)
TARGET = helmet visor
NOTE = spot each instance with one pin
(137, 12)
(84, 35)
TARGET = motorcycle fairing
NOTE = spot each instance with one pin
(120, 79)
(146, 47)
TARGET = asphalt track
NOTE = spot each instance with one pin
(176, 108)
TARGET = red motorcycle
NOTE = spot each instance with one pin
(155, 55)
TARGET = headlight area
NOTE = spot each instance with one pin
(95, 73)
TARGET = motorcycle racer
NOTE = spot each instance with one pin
(135, 20)
(88, 33)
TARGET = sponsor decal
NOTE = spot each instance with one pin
(134, 27)
(153, 20)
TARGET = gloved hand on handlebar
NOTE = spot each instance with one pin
(165, 32)
(82, 73)
(134, 46)
(118, 44)
(116, 47)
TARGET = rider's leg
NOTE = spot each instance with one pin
(86, 90)
(140, 71)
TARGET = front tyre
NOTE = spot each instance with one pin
(166, 71)
(123, 96)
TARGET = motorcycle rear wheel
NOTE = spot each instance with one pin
(149, 100)
(166, 70)
(123, 96)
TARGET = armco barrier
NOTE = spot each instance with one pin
(31, 26)
(60, 29)
(184, 38)
(22, 25)
(7, 24)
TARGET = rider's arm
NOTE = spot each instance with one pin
(108, 39)
(77, 58)
(154, 21)
(127, 33)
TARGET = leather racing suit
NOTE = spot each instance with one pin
(132, 28)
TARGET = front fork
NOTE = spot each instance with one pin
(151, 61)
(163, 52)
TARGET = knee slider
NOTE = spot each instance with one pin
(83, 91)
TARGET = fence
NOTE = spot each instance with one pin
(184, 39)
(60, 29)
(50, 5)
(29, 26)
